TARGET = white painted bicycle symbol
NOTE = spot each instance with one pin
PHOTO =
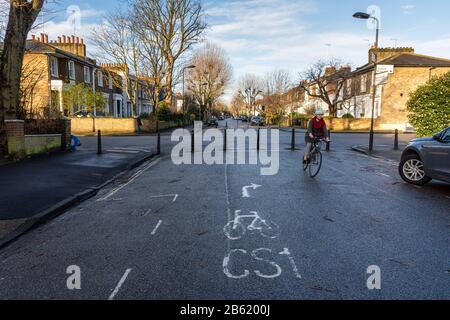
(235, 229)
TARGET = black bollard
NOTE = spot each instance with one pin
(192, 142)
(396, 140)
(257, 141)
(293, 139)
(225, 140)
(328, 143)
(99, 142)
(158, 144)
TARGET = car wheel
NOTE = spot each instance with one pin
(412, 170)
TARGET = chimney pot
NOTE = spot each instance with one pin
(59, 39)
(64, 39)
(46, 38)
(78, 40)
(82, 41)
(42, 37)
(73, 39)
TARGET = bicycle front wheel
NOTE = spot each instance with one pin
(315, 165)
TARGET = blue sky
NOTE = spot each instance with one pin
(262, 35)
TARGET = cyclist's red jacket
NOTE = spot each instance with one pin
(318, 128)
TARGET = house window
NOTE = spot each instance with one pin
(100, 79)
(71, 70)
(87, 75)
(364, 83)
(54, 67)
(106, 106)
(349, 86)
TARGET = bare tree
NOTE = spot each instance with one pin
(176, 26)
(119, 44)
(277, 84)
(153, 67)
(211, 75)
(250, 86)
(237, 105)
(22, 15)
(324, 80)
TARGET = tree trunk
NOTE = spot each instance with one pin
(170, 71)
(21, 18)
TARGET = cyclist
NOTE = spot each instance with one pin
(317, 128)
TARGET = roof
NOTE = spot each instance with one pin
(408, 60)
(33, 46)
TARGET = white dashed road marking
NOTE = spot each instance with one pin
(156, 228)
(119, 285)
(134, 177)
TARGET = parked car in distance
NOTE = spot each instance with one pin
(213, 122)
(425, 159)
(257, 121)
(83, 114)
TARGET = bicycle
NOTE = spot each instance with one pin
(235, 229)
(314, 162)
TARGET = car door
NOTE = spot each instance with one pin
(438, 156)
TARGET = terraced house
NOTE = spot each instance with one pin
(400, 72)
(50, 67)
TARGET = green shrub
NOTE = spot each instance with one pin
(348, 116)
(164, 113)
(429, 106)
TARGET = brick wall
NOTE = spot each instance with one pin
(15, 135)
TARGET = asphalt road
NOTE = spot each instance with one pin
(161, 235)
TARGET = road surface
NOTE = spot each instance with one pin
(161, 234)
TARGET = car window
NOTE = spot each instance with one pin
(446, 136)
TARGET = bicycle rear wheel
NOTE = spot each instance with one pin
(315, 165)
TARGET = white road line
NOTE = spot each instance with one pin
(384, 175)
(136, 175)
(156, 228)
(175, 196)
(119, 285)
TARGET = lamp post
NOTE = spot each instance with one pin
(184, 99)
(366, 16)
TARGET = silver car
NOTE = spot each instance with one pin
(425, 159)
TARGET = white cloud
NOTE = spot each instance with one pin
(408, 8)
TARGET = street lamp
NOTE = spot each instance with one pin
(184, 69)
(366, 16)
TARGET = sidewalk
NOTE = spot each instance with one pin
(40, 187)
(381, 151)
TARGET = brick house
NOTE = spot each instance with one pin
(60, 64)
(400, 72)
(144, 102)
